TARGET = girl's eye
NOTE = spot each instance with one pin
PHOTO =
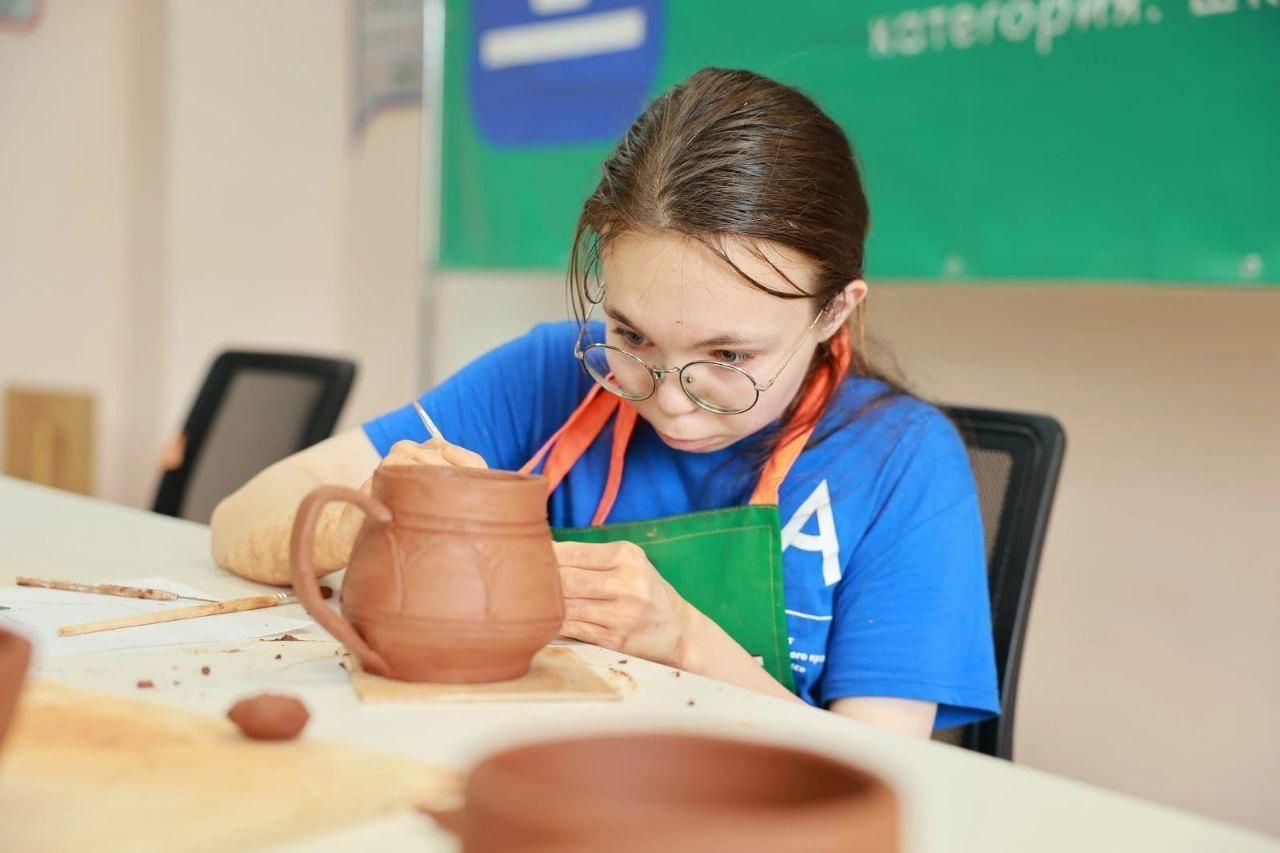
(732, 357)
(629, 337)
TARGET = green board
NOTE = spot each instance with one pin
(1125, 140)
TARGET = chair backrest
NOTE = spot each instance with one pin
(254, 409)
(1016, 458)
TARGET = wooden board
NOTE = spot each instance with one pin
(557, 675)
(48, 438)
(88, 771)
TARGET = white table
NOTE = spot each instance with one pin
(953, 799)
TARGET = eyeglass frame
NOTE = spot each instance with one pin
(657, 374)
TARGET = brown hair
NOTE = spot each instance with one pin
(733, 156)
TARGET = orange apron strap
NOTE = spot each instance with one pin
(566, 447)
(810, 407)
(528, 467)
(623, 426)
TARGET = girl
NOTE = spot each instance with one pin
(737, 491)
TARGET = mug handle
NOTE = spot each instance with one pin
(306, 585)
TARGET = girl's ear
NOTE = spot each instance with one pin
(841, 306)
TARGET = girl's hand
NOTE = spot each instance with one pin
(614, 597)
(433, 452)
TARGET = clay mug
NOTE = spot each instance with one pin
(675, 793)
(452, 577)
(15, 657)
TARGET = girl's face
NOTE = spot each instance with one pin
(669, 301)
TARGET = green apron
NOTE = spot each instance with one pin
(725, 562)
(728, 562)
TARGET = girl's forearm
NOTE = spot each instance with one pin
(707, 650)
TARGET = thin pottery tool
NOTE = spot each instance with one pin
(235, 605)
(109, 589)
(427, 422)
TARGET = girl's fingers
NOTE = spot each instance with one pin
(433, 452)
(584, 583)
(460, 457)
(580, 610)
(596, 556)
(408, 453)
(587, 632)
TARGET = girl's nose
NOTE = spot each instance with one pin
(670, 397)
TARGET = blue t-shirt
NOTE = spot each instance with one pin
(885, 579)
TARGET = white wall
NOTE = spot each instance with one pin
(84, 169)
(180, 177)
(257, 150)
(288, 230)
(379, 304)
(1151, 664)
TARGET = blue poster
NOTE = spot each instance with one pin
(559, 72)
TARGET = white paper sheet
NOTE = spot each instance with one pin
(39, 613)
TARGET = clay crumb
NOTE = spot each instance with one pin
(692, 703)
(204, 670)
(622, 660)
(145, 683)
(176, 683)
(231, 651)
(676, 673)
(623, 676)
(342, 664)
(279, 656)
(284, 638)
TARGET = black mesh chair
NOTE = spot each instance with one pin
(254, 409)
(1016, 459)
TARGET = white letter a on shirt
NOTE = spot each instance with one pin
(824, 541)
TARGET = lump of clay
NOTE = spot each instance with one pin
(268, 716)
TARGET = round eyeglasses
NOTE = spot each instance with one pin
(714, 385)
